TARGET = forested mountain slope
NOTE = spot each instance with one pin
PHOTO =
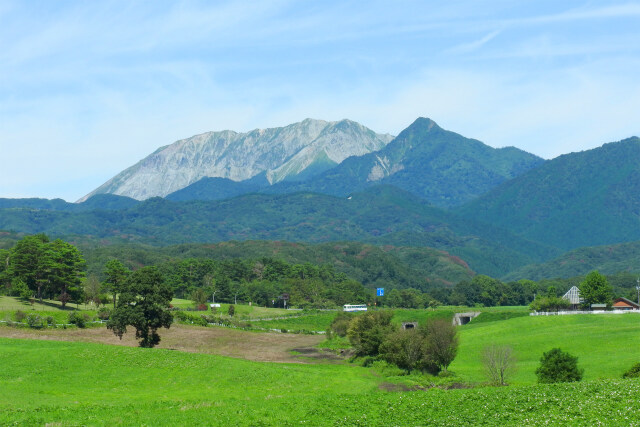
(388, 266)
(607, 259)
(580, 199)
(381, 215)
(440, 166)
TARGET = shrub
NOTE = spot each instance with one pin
(209, 319)
(20, 315)
(634, 372)
(367, 332)
(406, 349)
(232, 310)
(50, 320)
(340, 323)
(181, 316)
(34, 321)
(549, 303)
(104, 313)
(558, 366)
(199, 321)
(78, 319)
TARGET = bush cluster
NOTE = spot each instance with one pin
(558, 366)
(78, 319)
(431, 348)
(634, 372)
(34, 321)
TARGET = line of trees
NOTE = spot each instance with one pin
(262, 282)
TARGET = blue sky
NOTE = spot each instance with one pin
(89, 88)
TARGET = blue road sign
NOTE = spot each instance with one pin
(380, 292)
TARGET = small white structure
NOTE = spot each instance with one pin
(354, 307)
(216, 305)
(573, 296)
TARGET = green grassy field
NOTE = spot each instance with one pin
(13, 304)
(606, 345)
(59, 383)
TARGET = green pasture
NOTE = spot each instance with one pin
(312, 321)
(59, 383)
(13, 304)
(242, 310)
(606, 344)
(10, 306)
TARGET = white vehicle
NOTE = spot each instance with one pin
(354, 307)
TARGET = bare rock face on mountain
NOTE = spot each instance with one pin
(292, 152)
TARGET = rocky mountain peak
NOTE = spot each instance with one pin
(295, 151)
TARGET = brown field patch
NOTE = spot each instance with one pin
(263, 347)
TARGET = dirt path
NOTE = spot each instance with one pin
(264, 347)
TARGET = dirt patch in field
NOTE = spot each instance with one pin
(318, 354)
(399, 387)
(264, 347)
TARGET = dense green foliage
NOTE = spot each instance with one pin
(609, 260)
(378, 215)
(35, 266)
(374, 266)
(368, 331)
(143, 302)
(557, 366)
(580, 199)
(264, 282)
(595, 289)
(431, 347)
(549, 303)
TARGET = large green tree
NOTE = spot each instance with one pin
(595, 289)
(144, 304)
(65, 270)
(29, 262)
(116, 275)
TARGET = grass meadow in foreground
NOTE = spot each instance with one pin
(45, 382)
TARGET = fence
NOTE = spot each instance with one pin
(561, 313)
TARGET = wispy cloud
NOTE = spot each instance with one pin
(474, 45)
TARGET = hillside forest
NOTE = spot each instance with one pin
(36, 267)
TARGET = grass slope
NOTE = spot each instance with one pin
(44, 382)
(606, 345)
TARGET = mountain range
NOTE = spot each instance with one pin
(503, 212)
